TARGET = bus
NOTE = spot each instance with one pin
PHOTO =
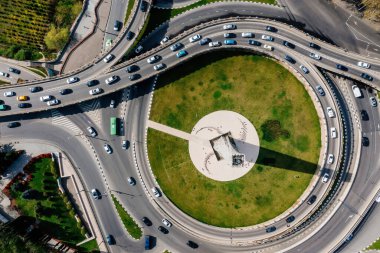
(113, 126)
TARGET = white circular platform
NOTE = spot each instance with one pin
(217, 128)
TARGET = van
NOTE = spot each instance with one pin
(333, 132)
(147, 242)
(156, 192)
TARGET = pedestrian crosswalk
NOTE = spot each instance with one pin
(92, 110)
(62, 121)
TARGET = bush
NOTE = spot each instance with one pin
(79, 225)
(83, 231)
(23, 54)
(56, 38)
(72, 212)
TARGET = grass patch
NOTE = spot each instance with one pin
(133, 229)
(129, 9)
(374, 246)
(41, 71)
(269, 96)
(90, 246)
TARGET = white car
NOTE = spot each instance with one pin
(4, 74)
(111, 79)
(156, 192)
(112, 103)
(304, 69)
(330, 112)
(9, 94)
(107, 148)
(267, 47)
(247, 35)
(333, 132)
(153, 59)
(164, 40)
(131, 181)
(166, 223)
(138, 49)
(72, 79)
(95, 91)
(108, 58)
(229, 27)
(46, 98)
(364, 65)
(92, 131)
(267, 37)
(325, 177)
(159, 66)
(315, 56)
(214, 44)
(330, 159)
(53, 102)
(95, 194)
(195, 38)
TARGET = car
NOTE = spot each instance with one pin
(315, 56)
(364, 115)
(304, 69)
(229, 35)
(9, 94)
(364, 65)
(192, 244)
(131, 181)
(124, 144)
(333, 132)
(148, 242)
(112, 79)
(365, 141)
(163, 230)
(95, 91)
(320, 90)
(132, 68)
(156, 192)
(130, 35)
(112, 103)
(290, 219)
(46, 98)
(143, 6)
(22, 98)
(164, 40)
(270, 229)
(13, 124)
(3, 107)
(92, 83)
(378, 198)
(330, 112)
(366, 76)
(159, 66)
(214, 44)
(330, 159)
(166, 223)
(204, 41)
(146, 221)
(176, 46)
(290, 59)
(154, 59)
(92, 131)
(325, 177)
(270, 28)
(14, 70)
(254, 42)
(117, 25)
(53, 102)
(341, 67)
(229, 27)
(108, 58)
(267, 37)
(313, 45)
(349, 237)
(134, 77)
(4, 74)
(230, 42)
(96, 194)
(288, 44)
(72, 80)
(110, 239)
(247, 35)
(312, 199)
(107, 148)
(24, 105)
(373, 101)
(139, 49)
(267, 47)
(65, 91)
(195, 38)
(35, 89)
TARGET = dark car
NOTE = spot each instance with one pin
(288, 44)
(130, 35)
(290, 219)
(134, 77)
(290, 59)
(14, 70)
(254, 42)
(13, 124)
(35, 89)
(110, 240)
(229, 35)
(270, 229)
(312, 199)
(364, 115)
(132, 68)
(117, 25)
(204, 41)
(143, 6)
(24, 105)
(341, 67)
(146, 221)
(271, 29)
(163, 230)
(192, 244)
(365, 141)
(66, 91)
(315, 46)
(92, 83)
(366, 76)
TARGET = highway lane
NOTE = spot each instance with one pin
(25, 75)
(117, 13)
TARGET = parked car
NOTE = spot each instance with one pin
(333, 133)
(143, 6)
(117, 25)
(22, 98)
(124, 144)
(4, 74)
(267, 47)
(9, 94)
(229, 35)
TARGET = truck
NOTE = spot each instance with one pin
(357, 92)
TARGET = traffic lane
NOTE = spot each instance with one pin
(25, 75)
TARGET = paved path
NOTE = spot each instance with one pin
(171, 4)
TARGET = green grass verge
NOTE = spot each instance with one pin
(133, 229)
(281, 111)
(38, 70)
(56, 218)
(90, 246)
(129, 9)
(374, 246)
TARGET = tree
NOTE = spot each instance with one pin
(56, 38)
(22, 55)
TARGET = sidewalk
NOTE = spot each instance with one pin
(173, 4)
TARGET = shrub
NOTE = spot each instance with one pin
(56, 38)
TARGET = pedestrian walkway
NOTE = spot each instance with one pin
(92, 110)
(60, 120)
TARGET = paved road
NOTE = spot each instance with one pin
(25, 74)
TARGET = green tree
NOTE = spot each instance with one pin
(56, 38)
(22, 55)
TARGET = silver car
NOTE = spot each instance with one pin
(267, 37)
(92, 131)
(107, 148)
